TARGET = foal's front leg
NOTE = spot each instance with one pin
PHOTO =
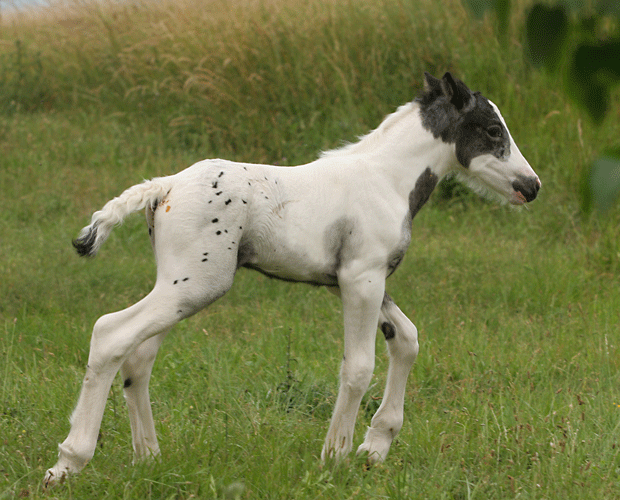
(362, 294)
(401, 336)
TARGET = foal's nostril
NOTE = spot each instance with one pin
(527, 186)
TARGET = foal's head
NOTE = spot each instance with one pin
(486, 156)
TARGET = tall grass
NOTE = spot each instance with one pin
(214, 70)
(515, 392)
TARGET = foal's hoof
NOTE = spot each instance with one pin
(51, 479)
(54, 476)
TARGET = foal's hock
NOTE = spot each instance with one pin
(343, 221)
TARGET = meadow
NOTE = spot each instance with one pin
(516, 391)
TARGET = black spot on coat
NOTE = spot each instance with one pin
(389, 331)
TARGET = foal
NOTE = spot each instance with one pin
(343, 221)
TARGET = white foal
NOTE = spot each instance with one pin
(343, 221)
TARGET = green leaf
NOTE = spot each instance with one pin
(594, 69)
(608, 8)
(604, 182)
(546, 32)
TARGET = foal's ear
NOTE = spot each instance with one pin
(457, 92)
(432, 85)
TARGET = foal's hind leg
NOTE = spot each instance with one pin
(402, 341)
(136, 372)
(115, 336)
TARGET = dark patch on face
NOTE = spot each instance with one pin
(127, 383)
(481, 132)
(424, 186)
(338, 242)
(389, 331)
(452, 112)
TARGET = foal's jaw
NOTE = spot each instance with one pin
(510, 180)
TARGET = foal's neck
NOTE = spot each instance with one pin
(406, 150)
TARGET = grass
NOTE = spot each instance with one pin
(515, 393)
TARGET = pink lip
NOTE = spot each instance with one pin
(518, 198)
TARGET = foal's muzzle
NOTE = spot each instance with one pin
(526, 188)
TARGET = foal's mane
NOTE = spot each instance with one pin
(366, 142)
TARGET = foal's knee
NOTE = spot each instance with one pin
(356, 374)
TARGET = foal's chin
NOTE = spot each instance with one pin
(517, 198)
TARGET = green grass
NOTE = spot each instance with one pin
(516, 391)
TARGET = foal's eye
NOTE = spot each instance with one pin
(494, 131)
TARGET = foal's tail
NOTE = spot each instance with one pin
(114, 212)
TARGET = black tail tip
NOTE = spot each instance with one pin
(84, 244)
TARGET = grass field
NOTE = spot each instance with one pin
(516, 391)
